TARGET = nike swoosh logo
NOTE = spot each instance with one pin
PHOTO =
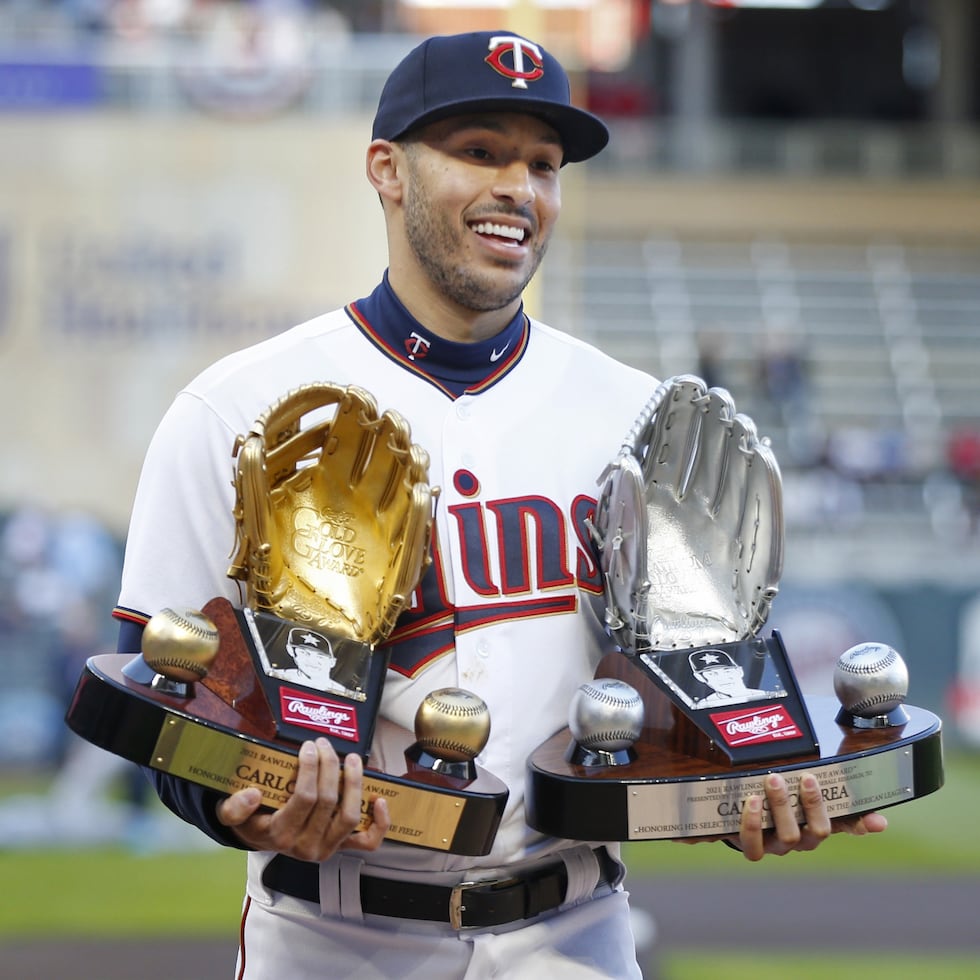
(495, 355)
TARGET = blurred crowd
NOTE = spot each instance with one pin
(832, 472)
(59, 581)
(276, 24)
(238, 57)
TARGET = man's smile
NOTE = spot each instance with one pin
(510, 233)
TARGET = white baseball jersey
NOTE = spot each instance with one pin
(518, 429)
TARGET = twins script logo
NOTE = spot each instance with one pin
(308, 711)
(520, 70)
(751, 726)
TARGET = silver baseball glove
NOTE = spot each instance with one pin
(689, 523)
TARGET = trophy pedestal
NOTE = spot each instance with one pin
(668, 792)
(221, 733)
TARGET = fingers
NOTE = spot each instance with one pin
(321, 816)
(751, 836)
(306, 823)
(873, 823)
(347, 814)
(761, 533)
(348, 448)
(781, 809)
(787, 832)
(675, 437)
(371, 837)
(730, 466)
(866, 823)
(237, 808)
(817, 825)
(719, 464)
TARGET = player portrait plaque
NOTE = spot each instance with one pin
(333, 521)
(688, 528)
(315, 683)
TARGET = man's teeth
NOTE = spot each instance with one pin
(502, 231)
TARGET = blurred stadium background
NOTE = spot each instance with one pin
(790, 206)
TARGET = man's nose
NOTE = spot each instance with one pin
(514, 183)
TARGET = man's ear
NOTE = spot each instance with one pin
(383, 170)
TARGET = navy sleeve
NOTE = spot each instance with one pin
(191, 802)
(195, 804)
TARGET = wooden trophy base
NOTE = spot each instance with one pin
(220, 733)
(675, 786)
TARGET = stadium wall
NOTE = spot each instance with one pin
(134, 250)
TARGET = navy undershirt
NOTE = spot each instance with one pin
(456, 368)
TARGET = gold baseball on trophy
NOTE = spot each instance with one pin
(452, 724)
(180, 644)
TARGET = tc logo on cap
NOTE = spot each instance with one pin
(518, 49)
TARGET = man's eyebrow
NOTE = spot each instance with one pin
(463, 123)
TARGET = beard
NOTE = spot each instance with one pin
(437, 244)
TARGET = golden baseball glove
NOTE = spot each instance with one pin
(689, 523)
(333, 512)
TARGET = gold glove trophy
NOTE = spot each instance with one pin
(685, 719)
(333, 518)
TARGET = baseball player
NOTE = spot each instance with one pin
(469, 139)
(718, 670)
(313, 661)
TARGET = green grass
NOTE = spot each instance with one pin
(738, 965)
(102, 892)
(109, 892)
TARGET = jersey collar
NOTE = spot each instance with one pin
(456, 368)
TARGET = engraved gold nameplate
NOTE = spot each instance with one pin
(225, 763)
(213, 759)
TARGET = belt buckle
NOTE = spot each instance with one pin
(456, 897)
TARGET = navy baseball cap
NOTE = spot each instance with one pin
(710, 659)
(486, 71)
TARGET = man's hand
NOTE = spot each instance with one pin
(320, 817)
(787, 835)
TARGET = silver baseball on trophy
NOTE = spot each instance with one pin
(605, 718)
(871, 682)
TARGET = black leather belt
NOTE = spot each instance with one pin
(468, 905)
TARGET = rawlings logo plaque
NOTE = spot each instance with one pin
(769, 724)
(309, 711)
